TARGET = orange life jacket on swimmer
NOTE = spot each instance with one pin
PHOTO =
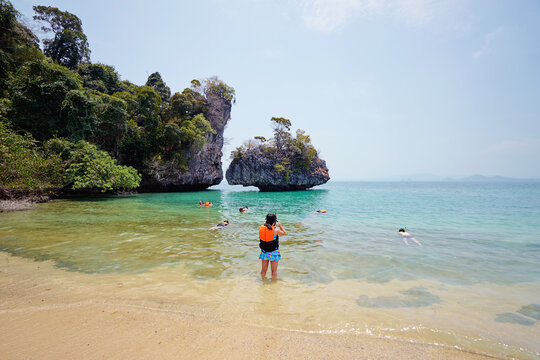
(207, 204)
(267, 241)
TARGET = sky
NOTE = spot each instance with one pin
(384, 88)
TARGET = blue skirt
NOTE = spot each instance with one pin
(272, 256)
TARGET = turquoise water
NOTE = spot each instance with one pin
(479, 256)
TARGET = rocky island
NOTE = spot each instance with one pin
(281, 163)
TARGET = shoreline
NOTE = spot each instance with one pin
(44, 316)
(20, 200)
(17, 205)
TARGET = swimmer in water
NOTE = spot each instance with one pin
(322, 211)
(221, 225)
(243, 209)
(406, 235)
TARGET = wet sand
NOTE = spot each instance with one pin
(43, 316)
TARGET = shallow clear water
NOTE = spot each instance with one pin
(474, 282)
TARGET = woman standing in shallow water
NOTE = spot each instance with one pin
(269, 243)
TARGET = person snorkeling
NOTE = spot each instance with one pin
(221, 225)
(321, 211)
(269, 244)
(406, 235)
(243, 209)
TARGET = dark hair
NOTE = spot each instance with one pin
(270, 220)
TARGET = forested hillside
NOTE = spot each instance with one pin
(69, 124)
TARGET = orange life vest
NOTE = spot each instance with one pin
(267, 241)
(266, 234)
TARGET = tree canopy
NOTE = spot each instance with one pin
(69, 45)
(91, 168)
(100, 77)
(17, 44)
(23, 165)
(156, 82)
(281, 128)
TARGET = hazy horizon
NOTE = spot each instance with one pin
(419, 178)
(383, 88)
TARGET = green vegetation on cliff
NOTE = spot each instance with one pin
(284, 162)
(109, 129)
(58, 164)
(24, 165)
(291, 153)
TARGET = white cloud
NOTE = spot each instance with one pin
(329, 15)
(332, 15)
(487, 43)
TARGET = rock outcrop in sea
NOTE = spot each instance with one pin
(203, 165)
(282, 163)
(254, 168)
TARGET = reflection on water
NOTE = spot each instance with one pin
(514, 318)
(413, 297)
(531, 310)
(349, 266)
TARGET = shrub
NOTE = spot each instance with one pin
(23, 165)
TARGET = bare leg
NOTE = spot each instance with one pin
(273, 266)
(264, 268)
(405, 240)
(416, 241)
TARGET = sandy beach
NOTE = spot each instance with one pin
(44, 316)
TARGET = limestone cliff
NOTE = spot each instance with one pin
(203, 166)
(255, 168)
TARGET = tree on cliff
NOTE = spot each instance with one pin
(213, 87)
(17, 45)
(12, 32)
(69, 46)
(100, 77)
(155, 81)
(48, 99)
(281, 128)
(290, 153)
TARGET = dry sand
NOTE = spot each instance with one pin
(42, 319)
